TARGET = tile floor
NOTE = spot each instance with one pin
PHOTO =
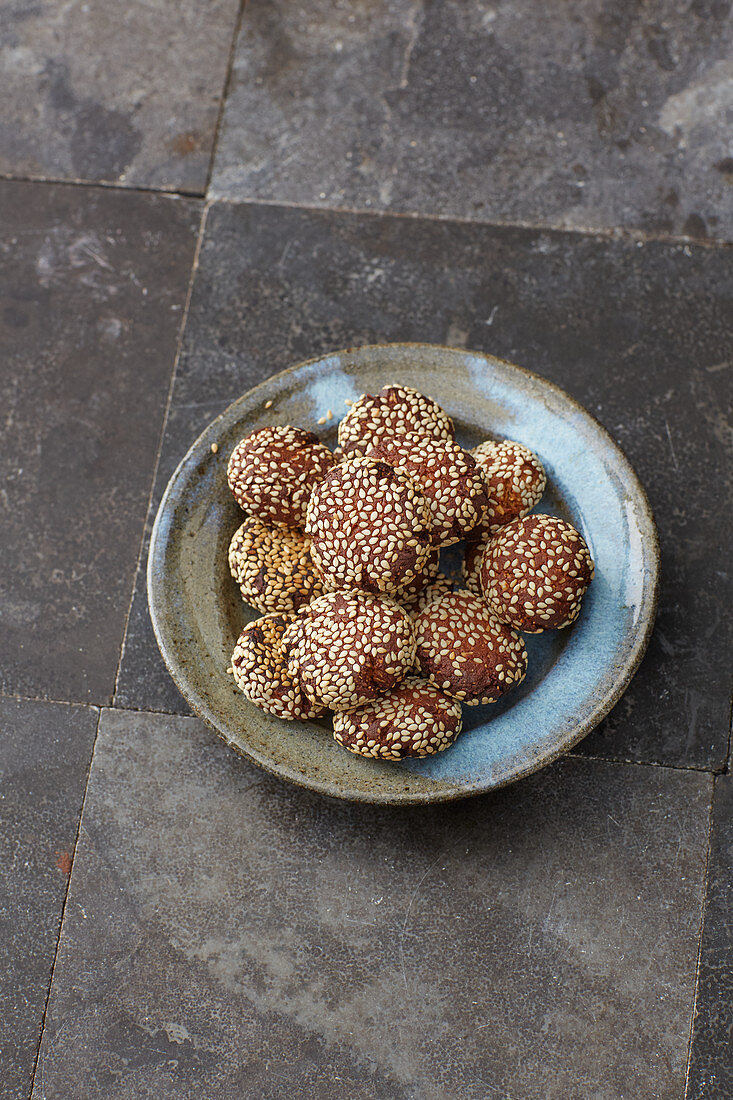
(192, 198)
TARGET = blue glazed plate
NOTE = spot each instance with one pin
(575, 675)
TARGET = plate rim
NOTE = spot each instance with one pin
(424, 797)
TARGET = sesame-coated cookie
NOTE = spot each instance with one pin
(414, 719)
(272, 566)
(272, 473)
(260, 672)
(515, 480)
(466, 652)
(348, 647)
(534, 573)
(448, 476)
(392, 412)
(369, 526)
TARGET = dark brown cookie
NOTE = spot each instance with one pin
(347, 647)
(260, 672)
(392, 412)
(466, 652)
(534, 573)
(272, 566)
(414, 719)
(448, 476)
(369, 526)
(272, 473)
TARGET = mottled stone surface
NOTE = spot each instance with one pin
(92, 287)
(126, 93)
(640, 335)
(711, 1064)
(46, 749)
(582, 115)
(230, 936)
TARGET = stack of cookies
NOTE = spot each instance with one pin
(340, 552)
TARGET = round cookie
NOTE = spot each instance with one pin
(466, 652)
(369, 526)
(471, 568)
(514, 477)
(260, 672)
(415, 719)
(272, 566)
(347, 647)
(392, 412)
(448, 476)
(272, 473)
(534, 573)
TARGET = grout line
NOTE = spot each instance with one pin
(20, 698)
(166, 412)
(151, 710)
(128, 709)
(700, 933)
(106, 185)
(615, 233)
(63, 909)
(224, 94)
(642, 763)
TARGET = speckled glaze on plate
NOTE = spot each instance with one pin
(575, 675)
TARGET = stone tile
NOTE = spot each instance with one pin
(228, 935)
(121, 93)
(92, 287)
(711, 1066)
(577, 116)
(641, 335)
(43, 771)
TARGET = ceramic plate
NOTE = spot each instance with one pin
(575, 675)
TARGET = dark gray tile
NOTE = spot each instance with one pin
(227, 935)
(577, 115)
(92, 287)
(711, 1064)
(641, 335)
(122, 93)
(46, 748)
